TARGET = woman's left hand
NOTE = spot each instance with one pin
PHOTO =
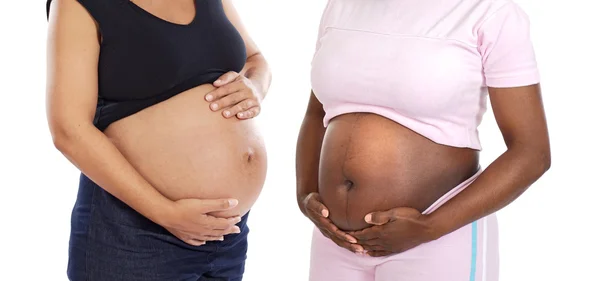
(236, 95)
(394, 231)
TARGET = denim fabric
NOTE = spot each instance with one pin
(111, 242)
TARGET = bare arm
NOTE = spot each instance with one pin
(72, 92)
(520, 115)
(308, 150)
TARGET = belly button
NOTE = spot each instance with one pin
(249, 155)
(348, 184)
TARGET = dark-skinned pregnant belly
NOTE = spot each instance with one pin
(370, 163)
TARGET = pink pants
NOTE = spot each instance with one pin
(467, 254)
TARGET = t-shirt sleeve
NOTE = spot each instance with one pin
(506, 49)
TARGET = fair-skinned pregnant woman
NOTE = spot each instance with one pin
(388, 154)
(154, 102)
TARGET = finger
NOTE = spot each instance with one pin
(335, 231)
(241, 107)
(208, 223)
(350, 247)
(250, 113)
(227, 96)
(226, 78)
(367, 234)
(232, 230)
(325, 233)
(379, 218)
(229, 102)
(213, 205)
(340, 242)
(194, 242)
(210, 238)
(204, 234)
(312, 202)
(373, 242)
(370, 248)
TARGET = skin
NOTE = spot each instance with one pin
(370, 163)
(519, 113)
(72, 92)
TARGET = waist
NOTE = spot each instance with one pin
(370, 163)
(187, 151)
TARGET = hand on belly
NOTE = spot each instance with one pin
(236, 95)
(393, 231)
(188, 220)
(314, 209)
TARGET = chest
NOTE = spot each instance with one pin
(397, 54)
(145, 54)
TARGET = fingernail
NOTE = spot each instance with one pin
(240, 114)
(218, 81)
(233, 202)
(237, 230)
(214, 106)
(368, 218)
(352, 240)
(227, 113)
(209, 97)
(221, 238)
(325, 213)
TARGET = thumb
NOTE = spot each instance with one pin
(226, 78)
(379, 218)
(313, 202)
(212, 205)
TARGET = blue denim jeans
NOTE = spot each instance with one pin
(111, 242)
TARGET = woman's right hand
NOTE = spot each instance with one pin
(189, 221)
(316, 211)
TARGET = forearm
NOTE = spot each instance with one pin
(257, 70)
(96, 157)
(500, 184)
(308, 152)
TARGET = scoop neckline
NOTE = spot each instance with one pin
(151, 15)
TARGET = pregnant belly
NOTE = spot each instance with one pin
(370, 163)
(187, 151)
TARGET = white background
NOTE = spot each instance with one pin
(549, 233)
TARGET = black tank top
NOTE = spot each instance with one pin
(145, 60)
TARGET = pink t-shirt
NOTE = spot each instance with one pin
(425, 64)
